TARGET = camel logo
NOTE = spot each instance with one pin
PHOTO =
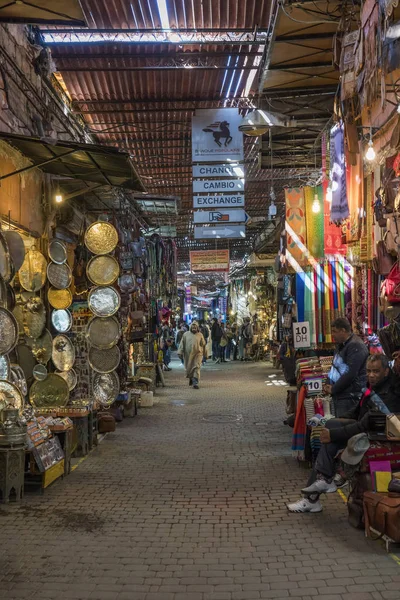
(220, 131)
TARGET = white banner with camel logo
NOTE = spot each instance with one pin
(216, 137)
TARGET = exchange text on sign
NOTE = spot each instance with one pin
(236, 200)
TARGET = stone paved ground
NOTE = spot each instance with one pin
(177, 505)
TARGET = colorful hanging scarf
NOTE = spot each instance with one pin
(354, 183)
(332, 233)
(314, 222)
(295, 227)
(340, 207)
(300, 284)
(300, 427)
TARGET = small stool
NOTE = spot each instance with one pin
(12, 467)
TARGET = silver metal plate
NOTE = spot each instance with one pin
(103, 333)
(9, 331)
(70, 377)
(57, 252)
(104, 361)
(4, 367)
(105, 388)
(61, 320)
(60, 276)
(104, 301)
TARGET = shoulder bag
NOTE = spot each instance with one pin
(382, 513)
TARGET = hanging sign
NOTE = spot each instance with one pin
(216, 136)
(227, 201)
(218, 171)
(301, 335)
(218, 185)
(209, 260)
(220, 232)
(237, 215)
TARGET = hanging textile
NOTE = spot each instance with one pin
(339, 207)
(300, 284)
(354, 183)
(348, 290)
(309, 306)
(295, 227)
(332, 233)
(314, 222)
(300, 428)
(327, 320)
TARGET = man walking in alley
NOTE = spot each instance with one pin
(382, 383)
(216, 335)
(191, 350)
(347, 377)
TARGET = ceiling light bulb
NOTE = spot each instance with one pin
(316, 206)
(59, 198)
(370, 154)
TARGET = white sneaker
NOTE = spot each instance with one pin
(304, 505)
(320, 486)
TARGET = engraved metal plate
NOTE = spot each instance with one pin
(61, 320)
(103, 333)
(9, 331)
(101, 238)
(52, 391)
(42, 347)
(32, 274)
(59, 299)
(3, 293)
(40, 372)
(70, 377)
(104, 361)
(10, 395)
(102, 270)
(4, 367)
(60, 276)
(16, 248)
(63, 355)
(105, 388)
(104, 301)
(31, 316)
(18, 378)
(57, 252)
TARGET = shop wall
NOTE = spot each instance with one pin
(21, 196)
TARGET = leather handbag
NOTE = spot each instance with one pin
(391, 285)
(106, 423)
(392, 235)
(384, 261)
(382, 513)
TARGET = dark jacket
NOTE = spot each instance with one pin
(351, 357)
(388, 391)
(216, 332)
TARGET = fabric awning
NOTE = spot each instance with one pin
(53, 12)
(88, 162)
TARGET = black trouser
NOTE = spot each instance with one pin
(341, 406)
(325, 463)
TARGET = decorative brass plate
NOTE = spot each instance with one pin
(103, 333)
(31, 316)
(57, 252)
(18, 378)
(61, 320)
(104, 301)
(104, 361)
(10, 395)
(3, 293)
(59, 299)
(60, 276)
(63, 355)
(9, 331)
(52, 391)
(70, 377)
(101, 238)
(42, 347)
(105, 388)
(103, 270)
(32, 274)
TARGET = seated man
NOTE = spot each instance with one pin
(335, 436)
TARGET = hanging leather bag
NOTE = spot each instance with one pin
(391, 285)
(384, 261)
(382, 513)
(392, 236)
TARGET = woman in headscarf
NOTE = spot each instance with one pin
(191, 350)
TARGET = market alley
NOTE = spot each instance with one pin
(187, 502)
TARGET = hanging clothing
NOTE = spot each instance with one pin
(340, 207)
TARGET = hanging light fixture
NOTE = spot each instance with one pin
(370, 153)
(316, 205)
